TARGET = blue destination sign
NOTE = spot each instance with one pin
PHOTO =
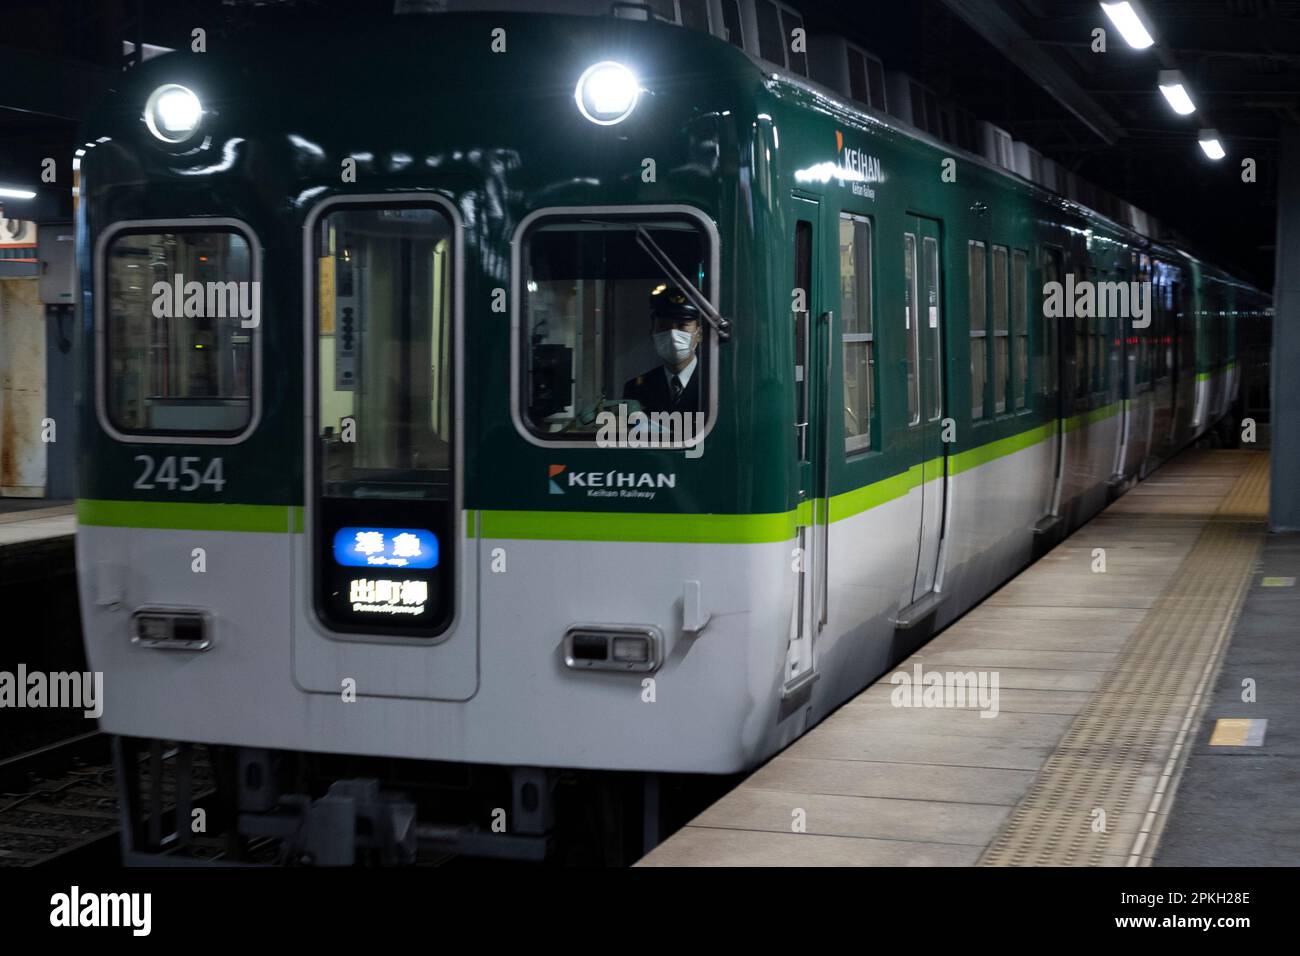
(385, 548)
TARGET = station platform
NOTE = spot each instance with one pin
(1106, 687)
(24, 520)
(36, 539)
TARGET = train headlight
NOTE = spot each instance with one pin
(173, 113)
(607, 93)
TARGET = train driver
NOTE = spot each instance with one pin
(673, 386)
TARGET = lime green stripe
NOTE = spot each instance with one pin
(869, 496)
(1205, 376)
(607, 526)
(190, 516)
(974, 457)
(1085, 419)
(587, 525)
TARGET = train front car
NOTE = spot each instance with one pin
(414, 428)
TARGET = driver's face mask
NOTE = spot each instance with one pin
(674, 346)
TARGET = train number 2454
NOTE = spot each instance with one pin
(170, 475)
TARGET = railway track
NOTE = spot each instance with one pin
(59, 802)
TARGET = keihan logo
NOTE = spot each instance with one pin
(555, 488)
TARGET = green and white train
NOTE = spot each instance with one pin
(342, 489)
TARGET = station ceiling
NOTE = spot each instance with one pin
(1025, 65)
(1029, 67)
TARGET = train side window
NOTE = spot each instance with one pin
(604, 332)
(978, 327)
(857, 332)
(1019, 324)
(180, 313)
(1001, 347)
(911, 326)
(1082, 351)
(803, 254)
(1047, 379)
(929, 320)
(1100, 332)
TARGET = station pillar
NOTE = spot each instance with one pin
(1284, 503)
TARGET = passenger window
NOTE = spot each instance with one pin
(606, 327)
(857, 332)
(978, 327)
(181, 316)
(1001, 381)
(1019, 324)
(911, 325)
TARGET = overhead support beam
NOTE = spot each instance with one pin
(52, 86)
(991, 21)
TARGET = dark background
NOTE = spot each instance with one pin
(1103, 119)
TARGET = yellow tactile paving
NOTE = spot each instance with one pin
(1105, 789)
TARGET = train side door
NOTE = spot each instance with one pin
(811, 355)
(1054, 337)
(923, 318)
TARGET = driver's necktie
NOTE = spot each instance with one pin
(676, 385)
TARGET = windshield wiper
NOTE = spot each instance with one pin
(712, 315)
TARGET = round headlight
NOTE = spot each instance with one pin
(172, 113)
(607, 93)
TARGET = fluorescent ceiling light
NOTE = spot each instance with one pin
(8, 193)
(1129, 24)
(1175, 90)
(1210, 143)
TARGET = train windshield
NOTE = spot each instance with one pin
(180, 316)
(605, 329)
(384, 352)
